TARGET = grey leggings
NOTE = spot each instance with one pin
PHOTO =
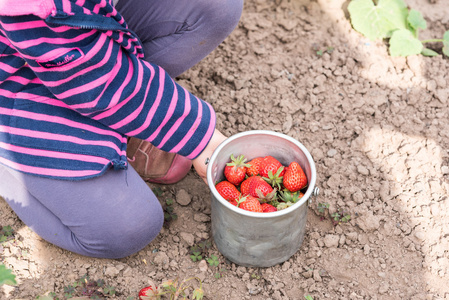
(116, 214)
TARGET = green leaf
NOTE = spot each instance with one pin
(403, 43)
(109, 290)
(6, 277)
(416, 20)
(378, 21)
(446, 43)
(198, 294)
(428, 52)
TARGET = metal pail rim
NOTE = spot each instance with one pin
(282, 212)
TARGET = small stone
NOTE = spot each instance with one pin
(183, 198)
(128, 272)
(369, 222)
(246, 277)
(316, 275)
(331, 240)
(254, 290)
(420, 235)
(366, 249)
(383, 288)
(203, 266)
(188, 238)
(362, 170)
(307, 274)
(111, 271)
(161, 259)
(332, 152)
(288, 123)
(200, 217)
(285, 266)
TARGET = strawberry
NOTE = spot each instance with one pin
(269, 163)
(250, 203)
(294, 178)
(234, 202)
(235, 171)
(268, 208)
(259, 188)
(227, 190)
(244, 186)
(254, 167)
(275, 180)
(147, 293)
(288, 196)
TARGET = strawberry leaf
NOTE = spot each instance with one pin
(378, 21)
(403, 43)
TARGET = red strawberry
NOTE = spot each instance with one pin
(234, 202)
(294, 178)
(268, 208)
(235, 171)
(250, 203)
(275, 179)
(147, 293)
(259, 188)
(227, 190)
(244, 187)
(254, 167)
(269, 163)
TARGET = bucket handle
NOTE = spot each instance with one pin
(315, 193)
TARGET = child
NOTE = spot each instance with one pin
(82, 79)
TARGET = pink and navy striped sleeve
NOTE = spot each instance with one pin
(98, 73)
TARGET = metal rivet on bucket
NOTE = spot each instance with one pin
(259, 239)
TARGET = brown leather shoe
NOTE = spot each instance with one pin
(155, 165)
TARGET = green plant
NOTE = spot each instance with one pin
(320, 51)
(340, 216)
(308, 297)
(169, 212)
(6, 233)
(255, 276)
(157, 191)
(200, 250)
(213, 261)
(6, 276)
(322, 206)
(174, 289)
(85, 288)
(391, 19)
(220, 273)
(196, 256)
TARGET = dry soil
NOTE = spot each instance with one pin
(377, 128)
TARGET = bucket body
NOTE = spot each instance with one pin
(259, 239)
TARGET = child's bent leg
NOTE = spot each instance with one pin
(111, 216)
(177, 34)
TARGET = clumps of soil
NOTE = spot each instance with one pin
(378, 130)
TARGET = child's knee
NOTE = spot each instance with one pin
(224, 14)
(126, 237)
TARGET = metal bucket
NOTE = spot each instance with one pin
(259, 239)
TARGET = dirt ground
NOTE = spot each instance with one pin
(377, 128)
